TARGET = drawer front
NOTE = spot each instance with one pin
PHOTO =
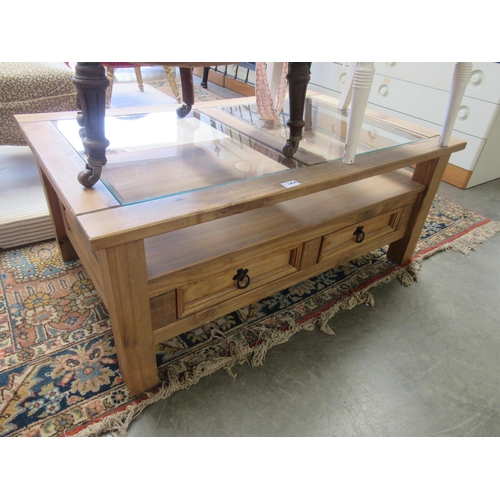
(483, 84)
(363, 233)
(475, 117)
(234, 281)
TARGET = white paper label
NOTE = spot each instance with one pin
(290, 184)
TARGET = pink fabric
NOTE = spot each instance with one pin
(265, 101)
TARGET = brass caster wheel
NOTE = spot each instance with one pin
(183, 110)
(88, 177)
(290, 148)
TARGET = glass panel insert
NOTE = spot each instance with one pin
(155, 155)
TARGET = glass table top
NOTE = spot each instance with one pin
(157, 154)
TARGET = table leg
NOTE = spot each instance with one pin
(56, 215)
(91, 83)
(429, 173)
(204, 80)
(346, 94)
(138, 76)
(361, 85)
(461, 76)
(298, 77)
(173, 84)
(187, 87)
(125, 281)
(110, 75)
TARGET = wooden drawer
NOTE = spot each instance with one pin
(363, 234)
(213, 289)
(279, 245)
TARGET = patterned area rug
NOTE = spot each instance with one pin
(58, 369)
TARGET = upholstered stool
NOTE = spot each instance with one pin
(32, 87)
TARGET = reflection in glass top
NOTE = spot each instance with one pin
(326, 128)
(156, 155)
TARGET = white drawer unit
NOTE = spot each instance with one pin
(418, 93)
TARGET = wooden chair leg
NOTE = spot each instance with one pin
(91, 83)
(139, 78)
(298, 77)
(172, 82)
(187, 91)
(204, 80)
(110, 74)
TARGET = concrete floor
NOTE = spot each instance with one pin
(423, 362)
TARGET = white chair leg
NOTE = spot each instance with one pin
(461, 77)
(345, 96)
(361, 85)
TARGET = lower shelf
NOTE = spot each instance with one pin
(193, 272)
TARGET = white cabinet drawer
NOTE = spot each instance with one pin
(475, 118)
(328, 76)
(413, 100)
(466, 158)
(484, 83)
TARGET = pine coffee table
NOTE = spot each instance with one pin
(196, 217)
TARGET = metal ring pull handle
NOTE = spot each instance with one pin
(359, 234)
(242, 279)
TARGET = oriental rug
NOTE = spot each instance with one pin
(59, 374)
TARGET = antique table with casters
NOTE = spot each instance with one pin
(91, 83)
(196, 217)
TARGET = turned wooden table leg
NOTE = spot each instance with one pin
(91, 83)
(187, 87)
(429, 173)
(298, 77)
(126, 284)
(461, 77)
(361, 85)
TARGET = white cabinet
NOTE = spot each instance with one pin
(418, 93)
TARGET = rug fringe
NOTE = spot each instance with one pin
(409, 273)
(118, 424)
(468, 242)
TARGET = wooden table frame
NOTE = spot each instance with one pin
(110, 239)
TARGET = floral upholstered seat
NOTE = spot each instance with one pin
(32, 87)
